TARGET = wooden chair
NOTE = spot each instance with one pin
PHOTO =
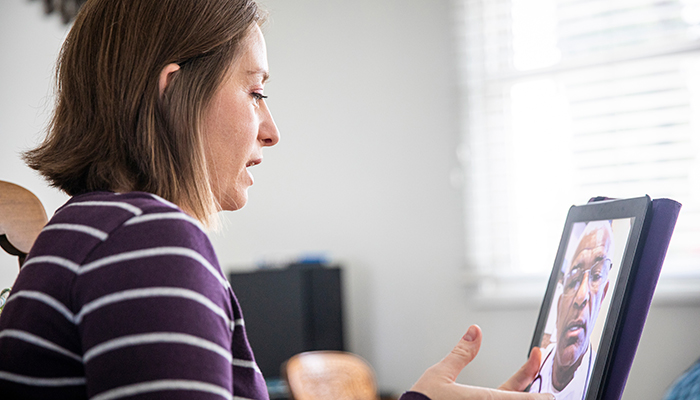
(22, 216)
(324, 375)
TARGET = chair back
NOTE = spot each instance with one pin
(22, 216)
(323, 375)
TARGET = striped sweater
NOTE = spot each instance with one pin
(122, 296)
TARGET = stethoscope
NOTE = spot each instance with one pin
(588, 373)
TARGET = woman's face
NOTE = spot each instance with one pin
(238, 125)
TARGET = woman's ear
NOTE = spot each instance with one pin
(165, 76)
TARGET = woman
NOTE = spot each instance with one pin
(160, 113)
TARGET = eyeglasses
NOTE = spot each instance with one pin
(597, 275)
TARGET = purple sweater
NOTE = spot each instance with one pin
(122, 296)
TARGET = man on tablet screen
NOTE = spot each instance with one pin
(569, 359)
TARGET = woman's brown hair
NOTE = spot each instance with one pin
(112, 129)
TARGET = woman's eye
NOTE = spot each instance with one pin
(258, 96)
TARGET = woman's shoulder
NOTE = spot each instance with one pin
(100, 224)
(104, 206)
(107, 212)
(116, 242)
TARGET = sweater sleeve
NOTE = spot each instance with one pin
(413, 396)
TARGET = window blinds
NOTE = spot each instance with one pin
(564, 100)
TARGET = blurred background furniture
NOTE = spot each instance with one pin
(22, 216)
(289, 311)
(322, 375)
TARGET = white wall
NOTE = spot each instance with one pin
(364, 94)
(29, 45)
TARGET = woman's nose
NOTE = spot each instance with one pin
(268, 133)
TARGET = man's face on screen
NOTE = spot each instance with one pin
(585, 284)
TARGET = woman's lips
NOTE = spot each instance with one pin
(249, 164)
(253, 162)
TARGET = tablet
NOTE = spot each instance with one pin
(587, 296)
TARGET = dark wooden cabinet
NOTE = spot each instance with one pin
(289, 311)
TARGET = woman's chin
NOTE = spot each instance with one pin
(235, 202)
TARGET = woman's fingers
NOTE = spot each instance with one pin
(442, 375)
(462, 354)
(524, 376)
(438, 381)
(494, 394)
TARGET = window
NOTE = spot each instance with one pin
(570, 99)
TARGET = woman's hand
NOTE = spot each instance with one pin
(438, 381)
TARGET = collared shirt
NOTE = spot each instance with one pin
(576, 389)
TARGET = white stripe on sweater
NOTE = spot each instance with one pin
(126, 206)
(153, 252)
(38, 341)
(150, 292)
(60, 261)
(245, 364)
(166, 337)
(131, 294)
(128, 256)
(46, 299)
(79, 228)
(155, 337)
(166, 202)
(162, 385)
(34, 381)
(164, 216)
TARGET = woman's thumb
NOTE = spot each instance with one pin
(462, 354)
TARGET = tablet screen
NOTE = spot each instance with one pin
(583, 289)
